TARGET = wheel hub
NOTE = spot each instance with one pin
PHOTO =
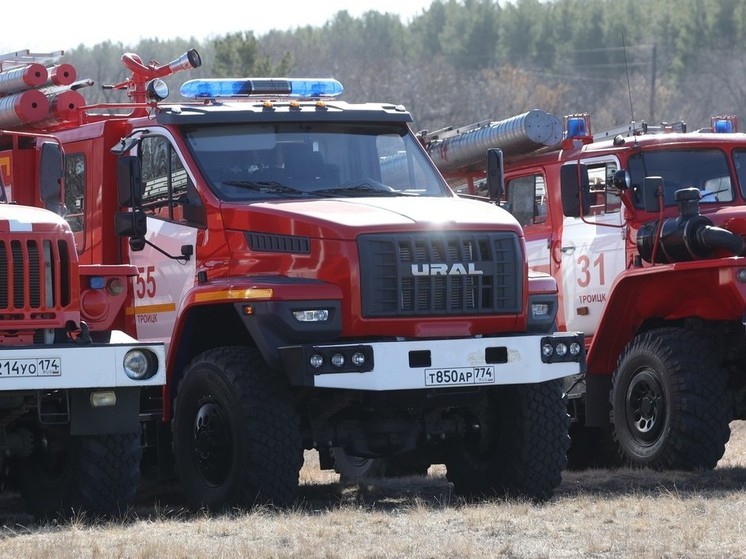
(212, 443)
(645, 406)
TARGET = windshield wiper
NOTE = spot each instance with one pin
(271, 187)
(363, 189)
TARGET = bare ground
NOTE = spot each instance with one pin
(596, 513)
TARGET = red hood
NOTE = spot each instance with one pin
(343, 218)
(732, 218)
(15, 218)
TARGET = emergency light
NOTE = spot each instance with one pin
(578, 126)
(261, 87)
(724, 124)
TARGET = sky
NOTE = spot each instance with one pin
(50, 26)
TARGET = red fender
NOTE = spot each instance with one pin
(708, 289)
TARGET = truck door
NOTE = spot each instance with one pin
(591, 252)
(527, 201)
(164, 273)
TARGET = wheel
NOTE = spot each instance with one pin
(354, 468)
(670, 408)
(521, 445)
(95, 474)
(236, 432)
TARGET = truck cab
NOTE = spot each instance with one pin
(317, 285)
(70, 378)
(642, 229)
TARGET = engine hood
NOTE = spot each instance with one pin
(344, 218)
(732, 218)
(16, 218)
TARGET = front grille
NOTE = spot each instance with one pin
(440, 274)
(34, 276)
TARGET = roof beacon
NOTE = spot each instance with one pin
(578, 126)
(724, 124)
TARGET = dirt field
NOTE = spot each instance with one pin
(597, 513)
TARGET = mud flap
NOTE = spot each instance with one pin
(122, 417)
(597, 406)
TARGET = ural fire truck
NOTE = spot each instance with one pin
(642, 228)
(70, 381)
(317, 286)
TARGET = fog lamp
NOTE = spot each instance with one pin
(140, 364)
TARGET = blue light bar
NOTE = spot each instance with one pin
(261, 87)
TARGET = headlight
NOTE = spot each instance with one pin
(563, 347)
(324, 360)
(312, 315)
(140, 364)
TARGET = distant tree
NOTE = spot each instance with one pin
(463, 61)
(238, 54)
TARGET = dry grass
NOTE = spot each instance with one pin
(597, 513)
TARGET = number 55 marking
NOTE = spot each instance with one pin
(145, 282)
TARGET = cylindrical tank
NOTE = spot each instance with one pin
(519, 134)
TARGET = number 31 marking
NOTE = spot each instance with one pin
(584, 263)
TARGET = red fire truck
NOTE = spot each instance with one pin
(70, 378)
(642, 228)
(317, 286)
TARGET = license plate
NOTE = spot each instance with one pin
(458, 376)
(34, 367)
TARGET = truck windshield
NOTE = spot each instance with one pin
(705, 169)
(244, 162)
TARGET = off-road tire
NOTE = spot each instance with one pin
(353, 469)
(236, 432)
(93, 475)
(669, 401)
(521, 447)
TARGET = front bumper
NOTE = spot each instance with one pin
(70, 366)
(432, 364)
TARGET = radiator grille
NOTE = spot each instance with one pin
(34, 276)
(446, 274)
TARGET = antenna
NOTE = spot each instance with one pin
(629, 87)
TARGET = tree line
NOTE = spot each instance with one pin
(463, 61)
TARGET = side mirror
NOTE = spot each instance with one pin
(134, 225)
(51, 171)
(622, 180)
(575, 190)
(652, 188)
(495, 174)
(129, 181)
(3, 194)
